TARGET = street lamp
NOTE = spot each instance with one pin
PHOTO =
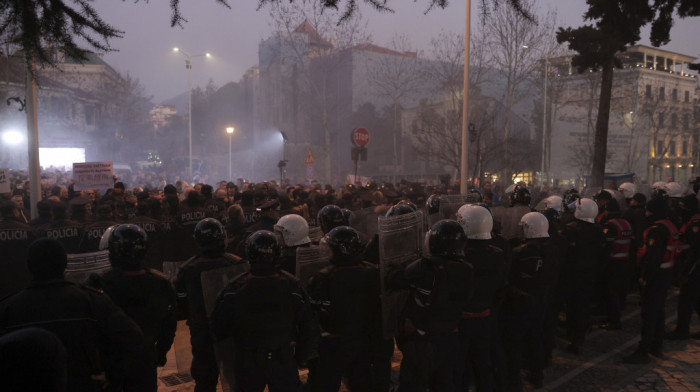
(188, 65)
(229, 130)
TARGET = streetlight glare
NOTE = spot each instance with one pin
(176, 49)
(12, 138)
(208, 54)
(229, 130)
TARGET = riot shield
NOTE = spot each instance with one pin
(81, 265)
(171, 268)
(315, 234)
(365, 221)
(400, 240)
(213, 281)
(310, 260)
(449, 204)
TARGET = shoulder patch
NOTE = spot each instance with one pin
(651, 242)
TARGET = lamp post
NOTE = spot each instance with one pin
(188, 66)
(229, 130)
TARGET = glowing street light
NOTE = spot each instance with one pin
(12, 138)
(229, 130)
(188, 65)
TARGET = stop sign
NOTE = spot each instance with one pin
(360, 137)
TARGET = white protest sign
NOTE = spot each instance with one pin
(93, 175)
(5, 181)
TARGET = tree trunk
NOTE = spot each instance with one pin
(396, 159)
(600, 146)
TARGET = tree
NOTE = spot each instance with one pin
(617, 25)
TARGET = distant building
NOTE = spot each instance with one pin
(653, 128)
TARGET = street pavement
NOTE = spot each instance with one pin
(598, 368)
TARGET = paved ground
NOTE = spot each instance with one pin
(597, 369)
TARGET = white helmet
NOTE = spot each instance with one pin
(586, 210)
(627, 189)
(476, 221)
(294, 230)
(535, 225)
(554, 202)
(673, 189)
(658, 185)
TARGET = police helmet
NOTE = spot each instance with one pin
(535, 225)
(586, 210)
(345, 245)
(409, 203)
(520, 195)
(446, 239)
(473, 195)
(551, 214)
(263, 251)
(127, 245)
(476, 221)
(554, 202)
(659, 193)
(331, 216)
(570, 199)
(673, 189)
(294, 230)
(210, 235)
(401, 208)
(627, 189)
(433, 204)
(658, 185)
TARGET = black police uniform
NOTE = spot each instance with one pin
(439, 289)
(689, 296)
(586, 246)
(148, 297)
(15, 238)
(156, 240)
(346, 301)
(522, 315)
(99, 338)
(66, 231)
(92, 233)
(188, 286)
(271, 323)
(187, 219)
(477, 327)
(619, 237)
(217, 209)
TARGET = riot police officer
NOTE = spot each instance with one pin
(478, 320)
(345, 297)
(586, 244)
(656, 261)
(522, 315)
(268, 316)
(439, 285)
(66, 231)
(15, 238)
(331, 216)
(154, 231)
(143, 294)
(92, 233)
(519, 206)
(211, 238)
(102, 343)
(569, 200)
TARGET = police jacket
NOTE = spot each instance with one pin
(690, 246)
(188, 286)
(156, 240)
(346, 300)
(266, 312)
(439, 290)
(489, 264)
(148, 297)
(92, 234)
(530, 273)
(636, 216)
(66, 231)
(586, 247)
(15, 238)
(619, 237)
(98, 336)
(656, 256)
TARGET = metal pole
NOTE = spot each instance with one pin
(32, 138)
(189, 113)
(230, 177)
(544, 116)
(465, 96)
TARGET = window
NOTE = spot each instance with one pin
(685, 148)
(674, 95)
(687, 96)
(686, 121)
(672, 148)
(661, 120)
(662, 93)
(659, 148)
(674, 121)
(648, 91)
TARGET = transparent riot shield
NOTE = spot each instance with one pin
(81, 265)
(171, 268)
(213, 281)
(400, 241)
(310, 260)
(365, 221)
(449, 205)
(315, 234)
